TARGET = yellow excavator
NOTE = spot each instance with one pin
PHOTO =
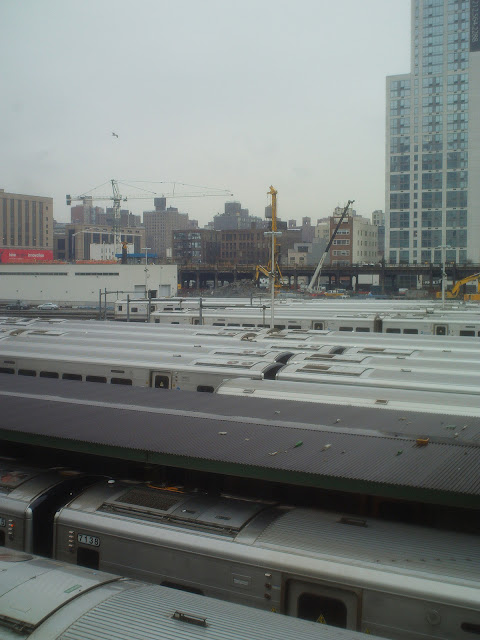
(453, 293)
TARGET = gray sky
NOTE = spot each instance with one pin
(231, 94)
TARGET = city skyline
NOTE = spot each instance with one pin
(227, 95)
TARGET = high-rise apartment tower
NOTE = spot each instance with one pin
(433, 139)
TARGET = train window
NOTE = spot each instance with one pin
(365, 329)
(440, 330)
(71, 376)
(248, 325)
(322, 609)
(181, 587)
(88, 558)
(205, 389)
(7, 370)
(48, 374)
(410, 331)
(279, 326)
(27, 372)
(162, 382)
(121, 381)
(133, 309)
(218, 324)
(95, 379)
(2, 538)
(233, 324)
(470, 627)
(294, 326)
(392, 330)
(318, 326)
(467, 333)
(345, 328)
(157, 321)
(120, 308)
(176, 322)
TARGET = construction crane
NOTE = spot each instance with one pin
(456, 288)
(118, 199)
(272, 266)
(318, 270)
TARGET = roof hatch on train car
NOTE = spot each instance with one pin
(217, 513)
(332, 369)
(386, 351)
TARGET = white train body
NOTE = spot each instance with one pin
(396, 580)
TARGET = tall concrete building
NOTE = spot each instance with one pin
(159, 226)
(433, 139)
(26, 225)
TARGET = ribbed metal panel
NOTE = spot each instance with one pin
(402, 547)
(146, 613)
(328, 442)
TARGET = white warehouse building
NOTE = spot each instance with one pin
(82, 283)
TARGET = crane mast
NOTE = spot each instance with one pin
(272, 266)
(318, 270)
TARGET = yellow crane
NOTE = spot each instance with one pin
(456, 288)
(272, 265)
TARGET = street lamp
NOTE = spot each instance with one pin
(272, 275)
(146, 270)
(443, 247)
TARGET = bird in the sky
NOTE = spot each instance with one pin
(114, 134)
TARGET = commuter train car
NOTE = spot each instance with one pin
(446, 380)
(383, 361)
(29, 498)
(375, 397)
(148, 359)
(400, 581)
(48, 600)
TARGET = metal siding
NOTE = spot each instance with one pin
(406, 547)
(335, 443)
(146, 614)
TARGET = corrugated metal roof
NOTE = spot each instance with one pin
(336, 447)
(146, 613)
(374, 542)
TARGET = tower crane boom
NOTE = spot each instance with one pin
(117, 199)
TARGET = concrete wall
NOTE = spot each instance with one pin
(80, 283)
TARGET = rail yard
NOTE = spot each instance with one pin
(214, 452)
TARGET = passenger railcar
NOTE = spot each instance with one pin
(48, 600)
(398, 580)
(29, 498)
(446, 381)
(140, 368)
(319, 320)
(376, 397)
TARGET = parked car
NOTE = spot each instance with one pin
(47, 306)
(18, 306)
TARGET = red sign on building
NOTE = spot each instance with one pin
(19, 256)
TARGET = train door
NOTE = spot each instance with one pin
(326, 605)
(161, 380)
(440, 330)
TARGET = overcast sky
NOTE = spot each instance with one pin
(230, 94)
